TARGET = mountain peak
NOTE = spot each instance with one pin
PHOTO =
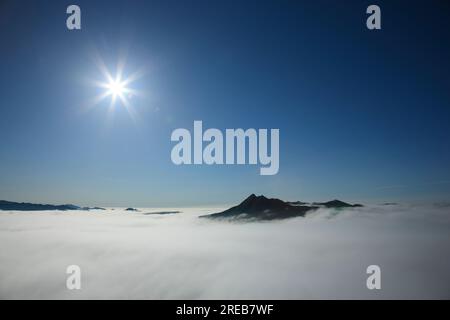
(262, 208)
(250, 197)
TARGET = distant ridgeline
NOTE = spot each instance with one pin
(254, 208)
(23, 206)
(262, 208)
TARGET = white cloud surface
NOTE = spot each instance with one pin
(126, 255)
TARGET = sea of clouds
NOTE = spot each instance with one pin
(130, 255)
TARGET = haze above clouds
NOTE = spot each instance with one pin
(131, 255)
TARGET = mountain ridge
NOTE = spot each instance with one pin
(262, 208)
(26, 206)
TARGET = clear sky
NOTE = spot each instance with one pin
(363, 115)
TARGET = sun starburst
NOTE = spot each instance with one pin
(116, 87)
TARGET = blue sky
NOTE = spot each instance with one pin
(363, 115)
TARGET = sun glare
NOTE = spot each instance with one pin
(116, 88)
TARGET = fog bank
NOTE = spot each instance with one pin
(126, 255)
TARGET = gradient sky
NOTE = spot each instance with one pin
(363, 115)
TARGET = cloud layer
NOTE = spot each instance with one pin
(126, 255)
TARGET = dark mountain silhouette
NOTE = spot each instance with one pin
(131, 209)
(337, 204)
(162, 212)
(261, 208)
(23, 206)
(91, 208)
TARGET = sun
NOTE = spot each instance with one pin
(116, 88)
